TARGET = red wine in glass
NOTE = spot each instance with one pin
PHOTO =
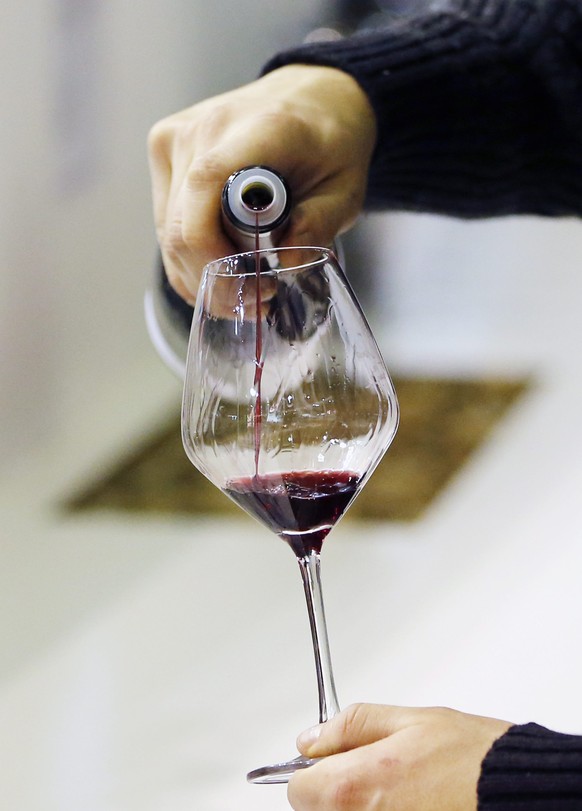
(301, 506)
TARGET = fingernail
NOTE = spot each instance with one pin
(310, 736)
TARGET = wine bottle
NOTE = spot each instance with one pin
(256, 203)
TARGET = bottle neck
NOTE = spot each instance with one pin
(255, 204)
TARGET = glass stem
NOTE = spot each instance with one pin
(310, 574)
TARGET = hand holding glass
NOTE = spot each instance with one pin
(288, 407)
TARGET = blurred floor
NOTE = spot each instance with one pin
(443, 421)
(148, 662)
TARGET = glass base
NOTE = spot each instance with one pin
(280, 772)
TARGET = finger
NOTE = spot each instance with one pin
(167, 167)
(192, 235)
(356, 726)
(329, 210)
(178, 272)
(196, 225)
(161, 180)
(346, 780)
(235, 297)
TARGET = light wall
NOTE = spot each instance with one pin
(83, 82)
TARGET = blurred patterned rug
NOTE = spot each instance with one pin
(442, 422)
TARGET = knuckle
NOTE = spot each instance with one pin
(173, 276)
(172, 241)
(157, 138)
(281, 118)
(347, 793)
(323, 786)
(206, 170)
(305, 789)
(204, 130)
(309, 218)
(442, 712)
(180, 237)
(441, 716)
(176, 131)
(352, 719)
(213, 120)
(180, 283)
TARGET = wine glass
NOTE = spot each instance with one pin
(288, 407)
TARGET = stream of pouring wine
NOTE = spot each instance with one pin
(257, 410)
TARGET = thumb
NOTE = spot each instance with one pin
(358, 725)
(325, 213)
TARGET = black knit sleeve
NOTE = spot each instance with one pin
(531, 768)
(478, 104)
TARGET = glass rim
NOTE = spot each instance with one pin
(224, 266)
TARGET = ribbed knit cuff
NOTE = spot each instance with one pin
(478, 106)
(531, 768)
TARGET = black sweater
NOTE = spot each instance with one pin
(479, 112)
(478, 105)
(531, 768)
